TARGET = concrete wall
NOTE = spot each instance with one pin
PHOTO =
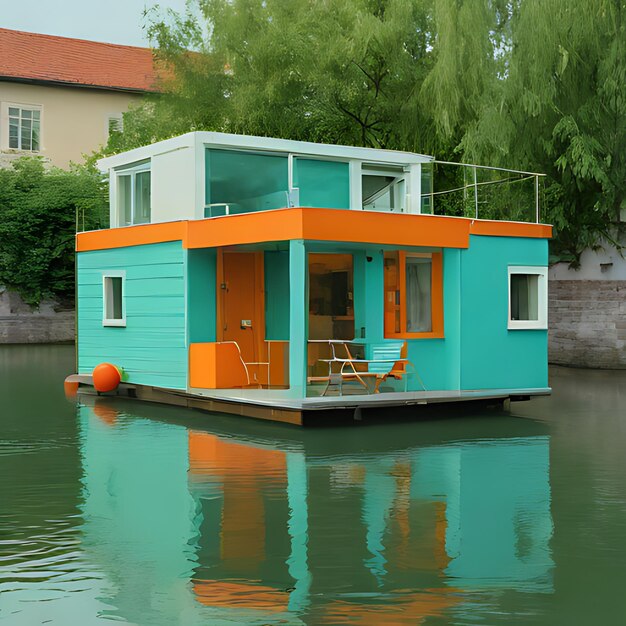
(20, 324)
(74, 121)
(587, 321)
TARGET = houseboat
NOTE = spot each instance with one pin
(282, 279)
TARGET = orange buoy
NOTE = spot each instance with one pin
(106, 377)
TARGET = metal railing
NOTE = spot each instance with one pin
(481, 192)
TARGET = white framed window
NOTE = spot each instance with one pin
(528, 297)
(133, 196)
(23, 128)
(114, 298)
(383, 188)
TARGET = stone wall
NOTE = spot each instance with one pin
(20, 324)
(587, 321)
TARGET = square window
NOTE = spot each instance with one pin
(528, 298)
(114, 310)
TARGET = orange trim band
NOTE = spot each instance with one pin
(131, 236)
(313, 225)
(510, 229)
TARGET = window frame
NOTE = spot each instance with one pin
(131, 172)
(22, 106)
(400, 175)
(106, 321)
(541, 323)
(437, 331)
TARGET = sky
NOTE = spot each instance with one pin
(114, 21)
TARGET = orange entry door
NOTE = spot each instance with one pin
(241, 307)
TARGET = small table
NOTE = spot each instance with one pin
(351, 362)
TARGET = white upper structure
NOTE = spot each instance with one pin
(204, 174)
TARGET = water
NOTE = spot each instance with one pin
(138, 514)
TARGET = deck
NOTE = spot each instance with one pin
(284, 405)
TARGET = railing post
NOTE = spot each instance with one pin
(475, 191)
(537, 199)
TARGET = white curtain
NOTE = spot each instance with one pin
(418, 295)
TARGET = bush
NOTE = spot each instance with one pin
(39, 213)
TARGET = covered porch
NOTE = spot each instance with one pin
(304, 319)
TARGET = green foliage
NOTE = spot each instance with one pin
(561, 109)
(538, 86)
(39, 210)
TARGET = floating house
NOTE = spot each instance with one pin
(277, 279)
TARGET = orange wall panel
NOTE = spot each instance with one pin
(216, 366)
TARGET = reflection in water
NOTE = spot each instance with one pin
(121, 512)
(194, 526)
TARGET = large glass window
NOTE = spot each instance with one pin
(241, 182)
(133, 197)
(528, 297)
(323, 184)
(383, 189)
(331, 306)
(413, 295)
(24, 128)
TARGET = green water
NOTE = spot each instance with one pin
(138, 514)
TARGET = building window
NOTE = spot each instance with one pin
(383, 189)
(133, 197)
(115, 124)
(528, 297)
(114, 308)
(24, 128)
(413, 295)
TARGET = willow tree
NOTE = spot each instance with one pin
(560, 108)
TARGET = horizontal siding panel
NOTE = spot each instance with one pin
(151, 348)
(93, 319)
(147, 272)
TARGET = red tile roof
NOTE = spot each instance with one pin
(47, 58)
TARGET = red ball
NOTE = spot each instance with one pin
(106, 377)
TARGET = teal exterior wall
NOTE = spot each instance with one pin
(437, 361)
(170, 298)
(201, 295)
(477, 350)
(368, 294)
(276, 272)
(151, 348)
(492, 356)
(322, 184)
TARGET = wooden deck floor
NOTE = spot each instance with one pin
(285, 405)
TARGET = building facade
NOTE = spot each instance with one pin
(60, 97)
